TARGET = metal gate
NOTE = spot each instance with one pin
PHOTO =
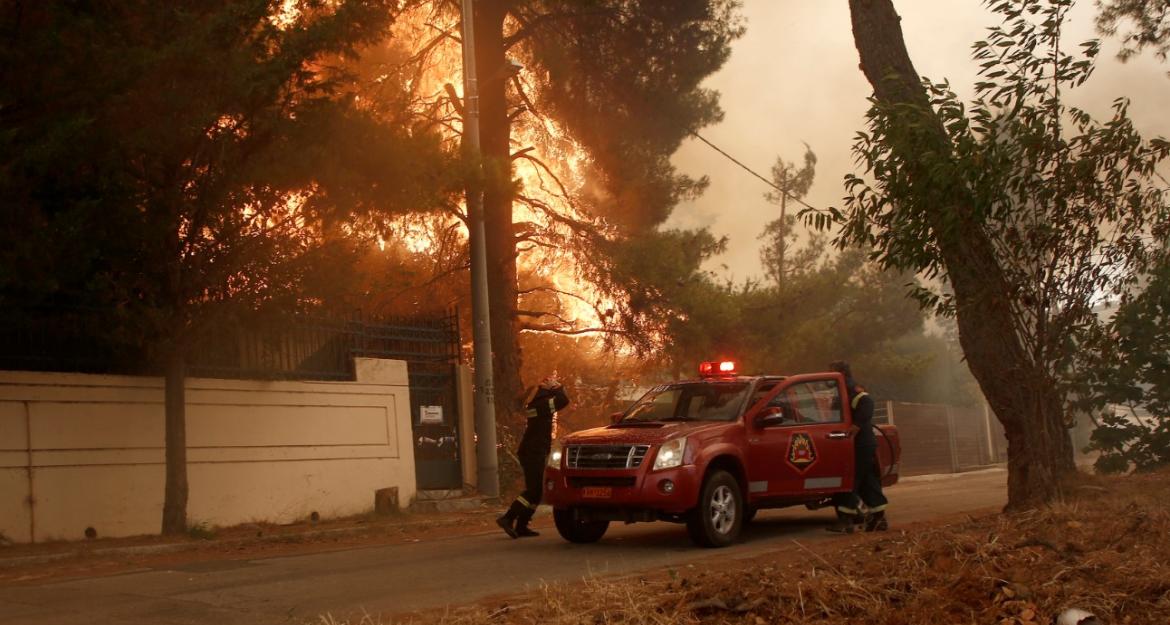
(435, 422)
(431, 350)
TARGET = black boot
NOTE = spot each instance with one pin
(514, 511)
(844, 523)
(876, 522)
(522, 529)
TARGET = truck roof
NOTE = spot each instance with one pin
(732, 378)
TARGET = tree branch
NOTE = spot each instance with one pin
(556, 330)
(528, 26)
(536, 314)
(564, 190)
(550, 289)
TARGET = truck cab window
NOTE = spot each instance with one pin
(693, 401)
(814, 402)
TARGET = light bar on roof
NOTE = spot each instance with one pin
(716, 368)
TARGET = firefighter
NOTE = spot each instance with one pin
(867, 485)
(540, 403)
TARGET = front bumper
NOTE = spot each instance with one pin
(641, 493)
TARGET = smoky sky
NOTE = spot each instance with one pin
(793, 78)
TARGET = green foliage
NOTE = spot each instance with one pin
(1127, 441)
(624, 76)
(1148, 25)
(656, 272)
(778, 234)
(1127, 369)
(201, 531)
(826, 309)
(1069, 203)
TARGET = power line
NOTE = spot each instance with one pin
(753, 172)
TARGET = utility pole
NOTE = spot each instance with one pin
(485, 409)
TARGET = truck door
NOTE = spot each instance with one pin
(765, 442)
(799, 438)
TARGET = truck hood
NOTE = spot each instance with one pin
(649, 433)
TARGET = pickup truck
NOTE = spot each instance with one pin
(710, 453)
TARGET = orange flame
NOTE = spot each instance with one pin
(556, 170)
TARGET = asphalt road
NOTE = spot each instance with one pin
(453, 571)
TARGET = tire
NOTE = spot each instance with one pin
(718, 518)
(576, 531)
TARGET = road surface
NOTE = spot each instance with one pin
(393, 579)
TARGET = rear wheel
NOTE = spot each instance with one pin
(716, 521)
(577, 531)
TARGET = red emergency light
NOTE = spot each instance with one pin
(716, 369)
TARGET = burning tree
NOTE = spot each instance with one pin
(577, 152)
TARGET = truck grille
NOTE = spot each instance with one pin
(605, 456)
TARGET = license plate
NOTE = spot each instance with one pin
(597, 492)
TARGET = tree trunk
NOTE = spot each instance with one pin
(1018, 390)
(783, 236)
(1039, 452)
(495, 143)
(175, 500)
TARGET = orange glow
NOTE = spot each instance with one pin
(551, 172)
(288, 13)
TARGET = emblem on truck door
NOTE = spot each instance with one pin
(802, 453)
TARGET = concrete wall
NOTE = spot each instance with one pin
(80, 451)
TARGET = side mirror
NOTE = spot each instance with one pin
(615, 417)
(770, 416)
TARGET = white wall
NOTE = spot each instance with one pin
(80, 451)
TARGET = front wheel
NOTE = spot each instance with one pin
(577, 531)
(716, 521)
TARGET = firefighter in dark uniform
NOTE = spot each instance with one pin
(867, 484)
(540, 404)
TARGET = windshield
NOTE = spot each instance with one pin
(692, 401)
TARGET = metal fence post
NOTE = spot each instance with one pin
(951, 437)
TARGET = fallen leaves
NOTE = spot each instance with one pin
(1106, 551)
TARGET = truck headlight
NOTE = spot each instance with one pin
(554, 456)
(670, 455)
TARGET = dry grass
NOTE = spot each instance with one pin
(1105, 550)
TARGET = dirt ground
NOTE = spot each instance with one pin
(1104, 550)
(46, 561)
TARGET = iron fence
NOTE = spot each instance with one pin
(293, 347)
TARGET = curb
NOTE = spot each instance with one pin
(937, 477)
(16, 561)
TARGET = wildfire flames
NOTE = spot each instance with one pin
(551, 169)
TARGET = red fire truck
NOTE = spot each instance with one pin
(710, 453)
